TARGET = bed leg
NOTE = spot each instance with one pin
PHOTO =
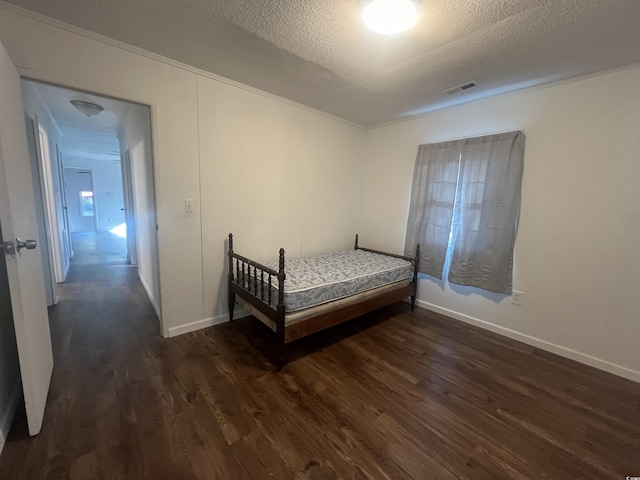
(280, 325)
(413, 302)
(232, 296)
(281, 357)
(281, 345)
(232, 304)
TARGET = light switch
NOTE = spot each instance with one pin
(188, 205)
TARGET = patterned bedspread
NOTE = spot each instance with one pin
(313, 281)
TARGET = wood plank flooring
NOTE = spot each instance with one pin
(392, 395)
(98, 249)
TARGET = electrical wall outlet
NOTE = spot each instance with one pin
(188, 205)
(517, 298)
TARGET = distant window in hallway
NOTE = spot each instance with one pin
(86, 203)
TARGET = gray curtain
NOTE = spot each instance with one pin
(486, 211)
(433, 195)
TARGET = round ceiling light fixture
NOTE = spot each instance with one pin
(390, 16)
(87, 108)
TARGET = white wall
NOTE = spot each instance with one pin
(107, 184)
(135, 136)
(576, 256)
(274, 175)
(190, 255)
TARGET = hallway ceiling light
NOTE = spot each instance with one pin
(390, 16)
(87, 108)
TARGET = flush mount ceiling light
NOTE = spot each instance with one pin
(87, 108)
(390, 16)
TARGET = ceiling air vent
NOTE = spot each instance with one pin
(461, 88)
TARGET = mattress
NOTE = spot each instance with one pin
(312, 281)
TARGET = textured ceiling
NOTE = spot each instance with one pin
(318, 52)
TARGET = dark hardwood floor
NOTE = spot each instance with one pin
(392, 395)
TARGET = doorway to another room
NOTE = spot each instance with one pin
(97, 184)
(79, 199)
(93, 244)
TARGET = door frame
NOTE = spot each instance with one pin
(50, 203)
(129, 207)
(147, 100)
(41, 210)
(66, 235)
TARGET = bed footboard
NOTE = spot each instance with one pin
(253, 282)
(414, 260)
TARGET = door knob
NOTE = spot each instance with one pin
(28, 244)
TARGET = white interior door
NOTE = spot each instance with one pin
(24, 268)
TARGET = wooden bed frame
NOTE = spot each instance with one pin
(252, 282)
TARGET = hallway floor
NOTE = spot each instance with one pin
(102, 330)
(98, 248)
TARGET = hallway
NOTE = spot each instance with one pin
(104, 335)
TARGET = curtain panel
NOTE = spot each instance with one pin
(487, 211)
(433, 195)
(466, 195)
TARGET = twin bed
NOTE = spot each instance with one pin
(315, 293)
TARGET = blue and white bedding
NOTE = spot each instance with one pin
(313, 281)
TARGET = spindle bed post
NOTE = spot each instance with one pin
(232, 296)
(281, 311)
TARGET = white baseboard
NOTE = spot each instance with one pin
(149, 294)
(536, 342)
(206, 322)
(6, 417)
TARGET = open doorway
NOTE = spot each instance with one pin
(97, 154)
(79, 195)
(94, 243)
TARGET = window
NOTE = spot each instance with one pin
(465, 199)
(86, 203)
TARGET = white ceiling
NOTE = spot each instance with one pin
(85, 137)
(318, 53)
